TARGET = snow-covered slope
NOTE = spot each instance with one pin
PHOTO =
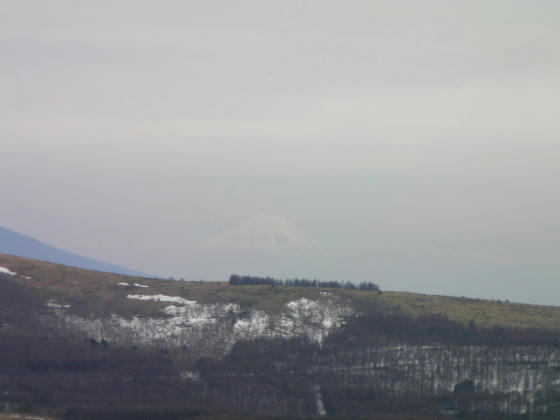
(213, 327)
(263, 232)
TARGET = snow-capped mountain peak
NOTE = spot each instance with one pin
(267, 232)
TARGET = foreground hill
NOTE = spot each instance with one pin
(87, 344)
(89, 291)
(14, 243)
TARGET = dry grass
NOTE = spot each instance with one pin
(97, 292)
(483, 312)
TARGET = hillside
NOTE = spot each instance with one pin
(90, 291)
(87, 344)
(14, 243)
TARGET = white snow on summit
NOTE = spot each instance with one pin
(268, 232)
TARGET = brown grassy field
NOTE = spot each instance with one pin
(98, 292)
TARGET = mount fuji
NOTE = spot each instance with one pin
(268, 232)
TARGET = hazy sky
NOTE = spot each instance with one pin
(418, 141)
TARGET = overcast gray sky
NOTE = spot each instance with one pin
(417, 141)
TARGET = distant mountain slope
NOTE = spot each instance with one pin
(14, 243)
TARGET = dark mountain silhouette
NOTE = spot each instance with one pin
(14, 243)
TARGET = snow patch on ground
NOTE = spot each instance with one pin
(194, 313)
(313, 319)
(162, 298)
(55, 305)
(4, 270)
(190, 376)
(319, 400)
(125, 284)
(255, 324)
(212, 328)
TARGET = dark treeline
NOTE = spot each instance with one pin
(237, 280)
